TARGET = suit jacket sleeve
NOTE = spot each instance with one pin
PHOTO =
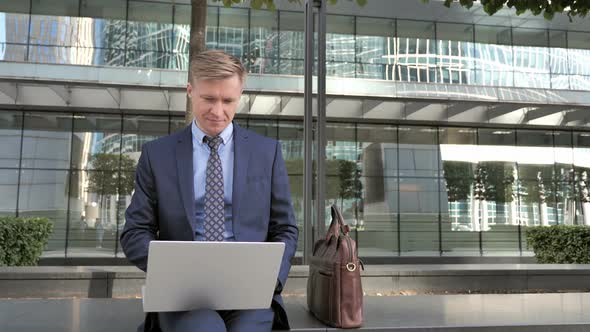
(140, 216)
(282, 225)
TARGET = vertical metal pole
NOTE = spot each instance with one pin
(308, 134)
(321, 123)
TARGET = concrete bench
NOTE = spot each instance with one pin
(566, 312)
(126, 281)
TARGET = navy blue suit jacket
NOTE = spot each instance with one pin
(162, 206)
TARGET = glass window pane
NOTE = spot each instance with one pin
(233, 31)
(487, 34)
(419, 210)
(55, 7)
(44, 193)
(375, 39)
(530, 37)
(531, 66)
(10, 138)
(376, 220)
(494, 65)
(76, 56)
(340, 43)
(580, 40)
(459, 224)
(498, 184)
(150, 59)
(453, 31)
(8, 191)
(582, 173)
(94, 200)
(378, 150)
(416, 52)
(97, 142)
(268, 128)
(52, 30)
(264, 41)
(536, 172)
(13, 52)
(557, 39)
(182, 20)
(558, 61)
(419, 190)
(110, 9)
(47, 140)
(455, 53)
(290, 134)
(150, 26)
(138, 130)
(15, 6)
(291, 38)
(16, 27)
(418, 151)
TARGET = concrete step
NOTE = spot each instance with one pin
(566, 312)
(126, 281)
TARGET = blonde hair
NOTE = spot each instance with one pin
(216, 65)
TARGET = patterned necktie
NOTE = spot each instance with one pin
(214, 203)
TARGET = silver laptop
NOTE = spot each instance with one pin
(213, 275)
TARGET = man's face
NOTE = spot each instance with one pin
(214, 102)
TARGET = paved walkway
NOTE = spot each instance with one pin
(563, 312)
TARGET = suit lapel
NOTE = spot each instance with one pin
(241, 157)
(184, 165)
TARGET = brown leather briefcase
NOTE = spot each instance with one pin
(334, 291)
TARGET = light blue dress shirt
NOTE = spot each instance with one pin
(201, 153)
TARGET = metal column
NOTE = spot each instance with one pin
(308, 134)
(313, 232)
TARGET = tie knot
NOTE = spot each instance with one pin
(213, 142)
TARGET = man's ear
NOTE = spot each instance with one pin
(189, 89)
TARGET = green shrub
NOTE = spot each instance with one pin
(22, 240)
(560, 244)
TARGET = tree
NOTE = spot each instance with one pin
(546, 7)
(105, 181)
(341, 179)
(199, 24)
(459, 179)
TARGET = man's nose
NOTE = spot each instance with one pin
(217, 108)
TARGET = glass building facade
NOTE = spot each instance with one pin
(408, 187)
(154, 34)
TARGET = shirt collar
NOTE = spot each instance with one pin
(198, 134)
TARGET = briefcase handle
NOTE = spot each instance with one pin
(337, 225)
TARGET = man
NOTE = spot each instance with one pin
(211, 166)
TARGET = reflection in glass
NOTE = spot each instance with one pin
(419, 190)
(10, 138)
(8, 191)
(96, 199)
(376, 214)
(17, 27)
(149, 26)
(291, 39)
(268, 128)
(46, 140)
(581, 175)
(290, 135)
(12, 52)
(96, 142)
(460, 222)
(233, 31)
(44, 193)
(264, 42)
(138, 130)
(499, 186)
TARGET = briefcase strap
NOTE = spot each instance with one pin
(337, 225)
